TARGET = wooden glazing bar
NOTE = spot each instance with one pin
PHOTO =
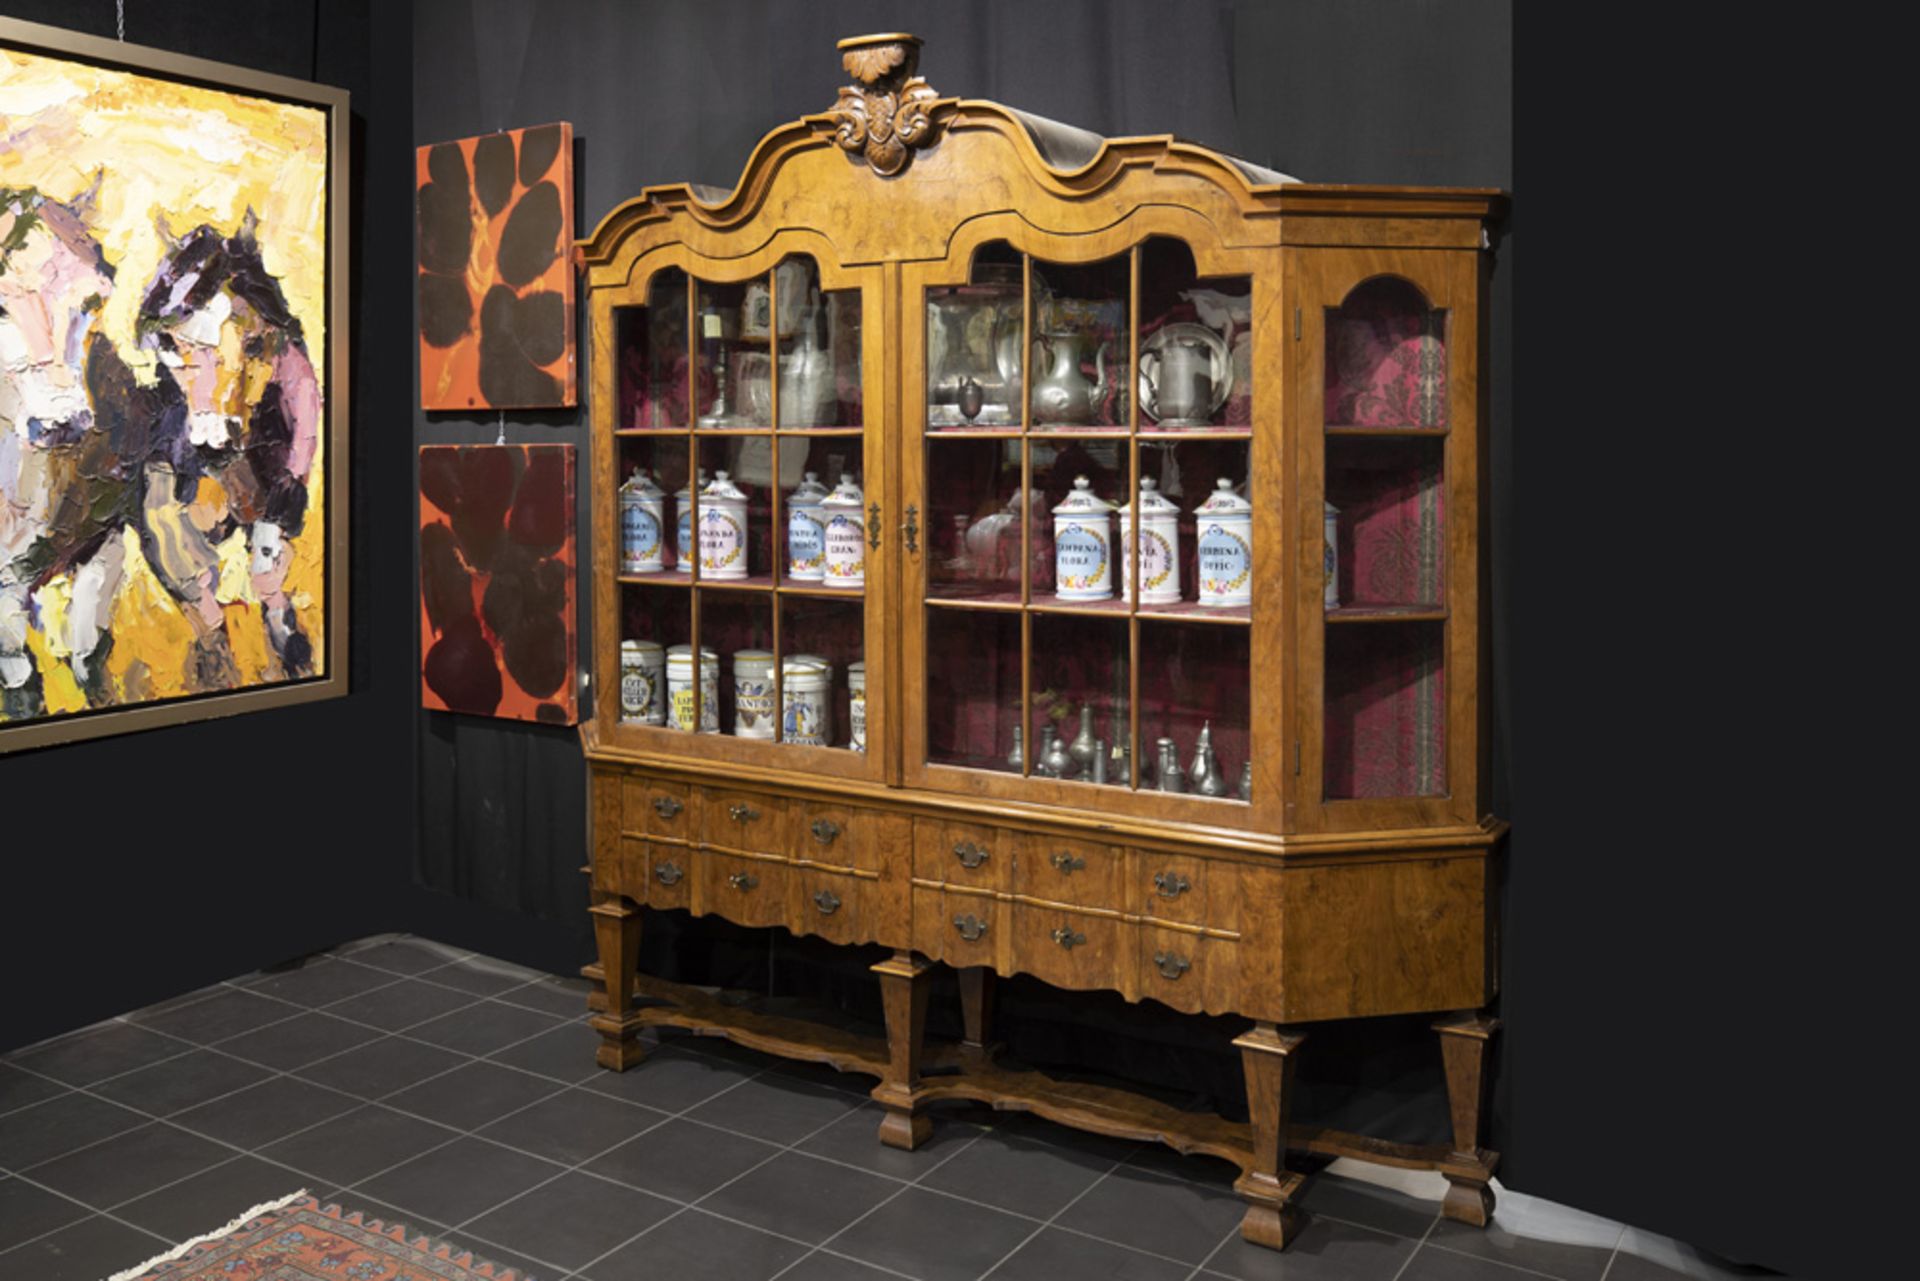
(1133, 506)
(693, 504)
(1024, 507)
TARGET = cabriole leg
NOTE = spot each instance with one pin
(1463, 1045)
(616, 929)
(903, 991)
(1266, 1056)
(976, 1005)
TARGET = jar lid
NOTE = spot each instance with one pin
(1331, 510)
(1223, 501)
(1152, 501)
(722, 487)
(847, 494)
(642, 484)
(686, 490)
(1082, 501)
(682, 656)
(857, 669)
(809, 490)
(805, 666)
(639, 647)
(753, 656)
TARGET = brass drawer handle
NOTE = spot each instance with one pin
(742, 813)
(1068, 937)
(970, 926)
(1068, 863)
(827, 901)
(1172, 964)
(668, 873)
(666, 806)
(1171, 884)
(825, 830)
(743, 881)
(970, 855)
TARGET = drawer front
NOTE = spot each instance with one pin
(670, 873)
(847, 836)
(1085, 873)
(833, 905)
(962, 854)
(745, 821)
(659, 808)
(747, 891)
(960, 929)
(631, 871)
(1190, 890)
(1190, 972)
(1072, 949)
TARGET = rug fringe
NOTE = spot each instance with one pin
(179, 1251)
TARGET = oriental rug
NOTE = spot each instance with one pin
(297, 1238)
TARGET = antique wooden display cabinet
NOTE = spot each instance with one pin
(1255, 787)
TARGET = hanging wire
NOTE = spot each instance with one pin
(120, 19)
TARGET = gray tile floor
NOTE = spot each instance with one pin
(458, 1095)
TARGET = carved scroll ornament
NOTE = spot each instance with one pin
(888, 114)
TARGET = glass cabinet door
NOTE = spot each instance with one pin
(1054, 405)
(1385, 377)
(746, 483)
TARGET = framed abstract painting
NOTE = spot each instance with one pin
(173, 381)
(496, 270)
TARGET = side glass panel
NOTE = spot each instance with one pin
(1385, 544)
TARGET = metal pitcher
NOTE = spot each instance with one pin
(1062, 394)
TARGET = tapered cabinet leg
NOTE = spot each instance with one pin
(1266, 1056)
(903, 993)
(616, 930)
(976, 1006)
(1463, 1046)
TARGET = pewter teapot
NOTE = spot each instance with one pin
(1063, 394)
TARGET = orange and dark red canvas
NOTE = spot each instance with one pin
(497, 622)
(496, 271)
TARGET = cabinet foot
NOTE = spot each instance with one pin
(903, 993)
(1271, 1219)
(1468, 1202)
(1463, 1047)
(1266, 1056)
(902, 1127)
(616, 932)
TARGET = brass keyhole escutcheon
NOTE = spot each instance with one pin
(970, 926)
(825, 830)
(970, 855)
(668, 873)
(1068, 937)
(827, 901)
(1172, 964)
(873, 526)
(1171, 884)
(912, 528)
(666, 806)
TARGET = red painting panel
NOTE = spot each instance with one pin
(497, 615)
(496, 270)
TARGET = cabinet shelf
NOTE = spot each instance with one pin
(808, 433)
(665, 578)
(1388, 614)
(1174, 435)
(650, 431)
(823, 593)
(1384, 433)
(999, 602)
(752, 583)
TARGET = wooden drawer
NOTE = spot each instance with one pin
(962, 854)
(846, 836)
(1190, 972)
(1191, 890)
(745, 821)
(1085, 873)
(833, 905)
(960, 929)
(659, 808)
(669, 876)
(747, 891)
(1073, 949)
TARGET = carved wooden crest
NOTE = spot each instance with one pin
(887, 114)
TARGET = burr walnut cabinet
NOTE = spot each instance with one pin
(1256, 787)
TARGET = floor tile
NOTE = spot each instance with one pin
(800, 1197)
(1158, 1158)
(671, 1080)
(1648, 1256)
(98, 1053)
(682, 1160)
(827, 1266)
(855, 1140)
(381, 1067)
(1325, 1250)
(19, 1089)
(262, 1113)
(209, 1200)
(572, 1126)
(1028, 1126)
(572, 1220)
(320, 981)
(352, 1200)
(1369, 1205)
(776, 1108)
(938, 1238)
(484, 1028)
(565, 1054)
(401, 1005)
(857, 1083)
(472, 1096)
(301, 1040)
(228, 1012)
(1161, 1216)
(85, 1251)
(358, 1144)
(1018, 1174)
(401, 955)
(695, 1246)
(525, 1268)
(1065, 1256)
(483, 976)
(177, 1084)
(27, 1211)
(58, 1126)
(129, 1165)
(1530, 1233)
(565, 997)
(452, 1184)
(1433, 1264)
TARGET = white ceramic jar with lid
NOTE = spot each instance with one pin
(642, 675)
(680, 689)
(1330, 598)
(806, 680)
(683, 540)
(723, 529)
(1159, 547)
(806, 531)
(846, 543)
(1083, 545)
(642, 522)
(857, 704)
(1225, 525)
(753, 715)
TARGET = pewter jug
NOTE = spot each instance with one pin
(1063, 394)
(1246, 781)
(806, 375)
(1055, 756)
(1015, 759)
(1210, 784)
(1119, 765)
(1184, 393)
(1202, 753)
(1085, 748)
(1171, 779)
(1048, 740)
